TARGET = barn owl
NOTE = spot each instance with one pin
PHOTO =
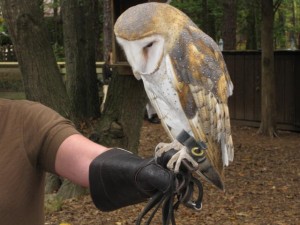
(185, 78)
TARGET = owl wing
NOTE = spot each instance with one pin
(203, 85)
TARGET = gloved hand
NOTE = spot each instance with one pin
(119, 178)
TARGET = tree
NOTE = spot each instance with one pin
(229, 24)
(79, 24)
(107, 31)
(251, 25)
(209, 25)
(107, 38)
(122, 118)
(41, 77)
(268, 95)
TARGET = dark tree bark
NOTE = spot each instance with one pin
(79, 25)
(251, 26)
(208, 19)
(107, 38)
(268, 97)
(293, 38)
(91, 14)
(229, 24)
(107, 30)
(123, 114)
(41, 77)
(99, 32)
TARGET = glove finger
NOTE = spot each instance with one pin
(152, 178)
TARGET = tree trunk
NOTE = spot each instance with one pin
(91, 33)
(41, 77)
(229, 25)
(208, 20)
(107, 40)
(79, 25)
(123, 113)
(107, 31)
(268, 98)
(293, 38)
(251, 27)
(99, 32)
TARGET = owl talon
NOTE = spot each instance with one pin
(164, 147)
(176, 159)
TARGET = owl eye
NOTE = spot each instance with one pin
(149, 45)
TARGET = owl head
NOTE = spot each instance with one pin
(146, 32)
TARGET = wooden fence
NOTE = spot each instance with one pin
(245, 104)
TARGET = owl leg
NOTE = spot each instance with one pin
(176, 159)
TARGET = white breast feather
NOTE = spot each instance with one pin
(164, 98)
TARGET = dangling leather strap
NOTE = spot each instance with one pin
(183, 190)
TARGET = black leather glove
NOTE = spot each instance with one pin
(119, 178)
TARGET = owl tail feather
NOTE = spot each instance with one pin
(207, 172)
(214, 172)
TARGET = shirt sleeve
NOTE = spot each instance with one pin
(43, 132)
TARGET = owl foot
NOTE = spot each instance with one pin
(164, 147)
(177, 159)
(182, 153)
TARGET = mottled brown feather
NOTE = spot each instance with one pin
(201, 66)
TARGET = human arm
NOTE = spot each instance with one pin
(74, 157)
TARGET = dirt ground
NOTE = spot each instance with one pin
(262, 186)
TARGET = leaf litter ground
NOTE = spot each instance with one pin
(262, 186)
